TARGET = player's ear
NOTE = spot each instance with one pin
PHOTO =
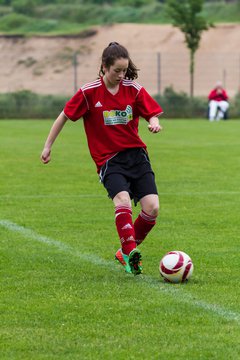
(104, 68)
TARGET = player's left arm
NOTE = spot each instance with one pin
(149, 109)
(154, 125)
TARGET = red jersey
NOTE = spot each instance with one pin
(111, 121)
(214, 95)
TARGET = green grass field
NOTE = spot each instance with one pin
(63, 296)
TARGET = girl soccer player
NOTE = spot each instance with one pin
(110, 107)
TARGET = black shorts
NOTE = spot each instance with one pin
(130, 171)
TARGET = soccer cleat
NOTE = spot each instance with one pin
(123, 260)
(135, 261)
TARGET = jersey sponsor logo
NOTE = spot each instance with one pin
(118, 117)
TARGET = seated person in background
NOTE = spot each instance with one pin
(218, 103)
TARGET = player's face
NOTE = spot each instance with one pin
(116, 72)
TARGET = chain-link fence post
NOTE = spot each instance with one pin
(159, 73)
(75, 65)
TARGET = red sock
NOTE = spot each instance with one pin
(143, 225)
(124, 224)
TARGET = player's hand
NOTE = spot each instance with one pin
(154, 125)
(46, 155)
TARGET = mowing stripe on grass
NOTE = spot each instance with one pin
(73, 196)
(177, 293)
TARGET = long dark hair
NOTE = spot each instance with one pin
(116, 51)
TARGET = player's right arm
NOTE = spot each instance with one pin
(54, 132)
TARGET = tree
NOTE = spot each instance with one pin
(185, 16)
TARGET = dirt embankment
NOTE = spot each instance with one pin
(45, 65)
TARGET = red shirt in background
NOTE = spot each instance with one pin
(218, 95)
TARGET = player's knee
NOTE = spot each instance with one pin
(152, 209)
(122, 199)
(150, 205)
(155, 211)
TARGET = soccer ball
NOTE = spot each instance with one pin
(176, 267)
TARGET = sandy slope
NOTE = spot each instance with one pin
(44, 65)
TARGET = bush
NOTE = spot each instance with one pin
(180, 105)
(234, 109)
(4, 10)
(26, 7)
(13, 21)
(104, 14)
(5, 2)
(28, 105)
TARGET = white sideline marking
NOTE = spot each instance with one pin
(177, 293)
(190, 300)
(30, 234)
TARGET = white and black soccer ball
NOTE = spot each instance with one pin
(176, 267)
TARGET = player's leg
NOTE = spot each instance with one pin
(145, 190)
(123, 221)
(146, 220)
(128, 255)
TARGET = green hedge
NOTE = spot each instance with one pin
(28, 105)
